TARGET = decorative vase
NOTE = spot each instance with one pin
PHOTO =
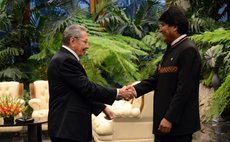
(8, 121)
(215, 79)
(27, 113)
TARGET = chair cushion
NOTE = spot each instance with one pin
(125, 109)
(41, 115)
(101, 125)
(9, 88)
(42, 93)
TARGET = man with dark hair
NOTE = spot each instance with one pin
(175, 82)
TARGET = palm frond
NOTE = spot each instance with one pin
(201, 24)
(95, 74)
(145, 13)
(137, 44)
(115, 58)
(11, 73)
(10, 52)
(4, 17)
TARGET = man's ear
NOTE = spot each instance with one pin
(71, 39)
(175, 28)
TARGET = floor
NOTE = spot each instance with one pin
(20, 137)
(217, 130)
(214, 131)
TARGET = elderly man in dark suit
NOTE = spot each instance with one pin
(73, 98)
(176, 82)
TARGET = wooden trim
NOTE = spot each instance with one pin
(32, 91)
(26, 16)
(21, 90)
(142, 102)
(92, 6)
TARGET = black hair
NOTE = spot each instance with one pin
(175, 16)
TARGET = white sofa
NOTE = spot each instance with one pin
(132, 122)
(39, 101)
(15, 89)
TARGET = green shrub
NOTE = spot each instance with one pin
(220, 100)
(208, 81)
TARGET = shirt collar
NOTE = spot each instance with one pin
(71, 51)
(178, 39)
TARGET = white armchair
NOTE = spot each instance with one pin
(132, 122)
(14, 89)
(39, 100)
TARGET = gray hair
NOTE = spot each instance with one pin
(72, 31)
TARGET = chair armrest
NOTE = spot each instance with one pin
(35, 103)
(135, 112)
(125, 109)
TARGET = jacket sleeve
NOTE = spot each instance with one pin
(146, 85)
(74, 75)
(97, 108)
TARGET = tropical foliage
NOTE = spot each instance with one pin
(205, 17)
(220, 101)
(21, 28)
(46, 28)
(150, 62)
(202, 16)
(199, 24)
(210, 8)
(117, 64)
(15, 37)
(215, 47)
(135, 22)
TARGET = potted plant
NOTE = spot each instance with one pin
(10, 107)
(27, 112)
(214, 56)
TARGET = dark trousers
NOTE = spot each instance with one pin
(62, 140)
(180, 138)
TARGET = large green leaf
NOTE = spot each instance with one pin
(11, 73)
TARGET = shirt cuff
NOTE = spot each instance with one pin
(118, 97)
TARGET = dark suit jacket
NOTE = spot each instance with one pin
(176, 85)
(73, 98)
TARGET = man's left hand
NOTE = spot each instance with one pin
(165, 126)
(108, 113)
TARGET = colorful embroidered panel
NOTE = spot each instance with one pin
(170, 69)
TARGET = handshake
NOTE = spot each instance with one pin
(127, 93)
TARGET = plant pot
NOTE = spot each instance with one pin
(27, 113)
(8, 121)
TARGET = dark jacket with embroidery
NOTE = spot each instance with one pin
(176, 86)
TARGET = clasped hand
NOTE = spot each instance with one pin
(127, 92)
